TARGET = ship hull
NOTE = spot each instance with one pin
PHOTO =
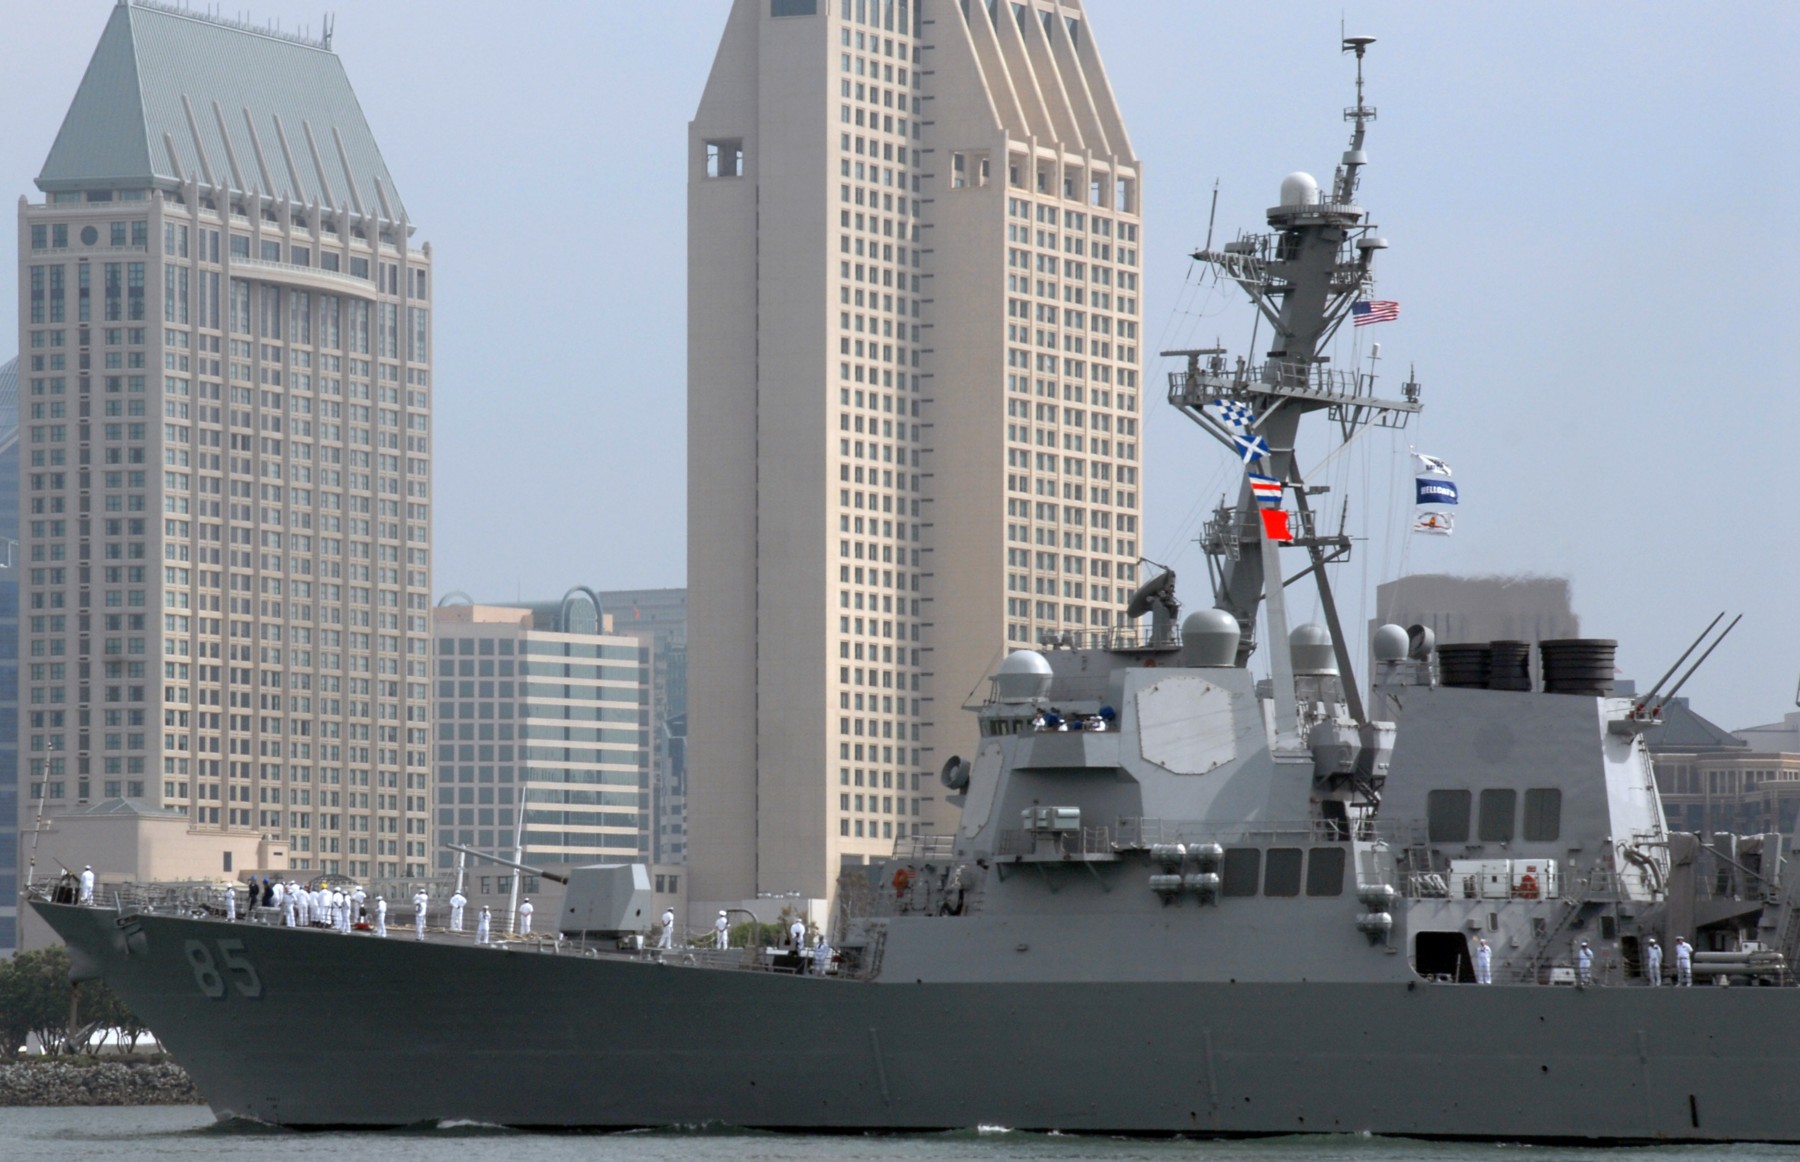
(314, 1029)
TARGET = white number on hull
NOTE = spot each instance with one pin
(244, 977)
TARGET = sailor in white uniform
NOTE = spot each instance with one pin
(290, 904)
(302, 900)
(1584, 963)
(357, 899)
(421, 901)
(1684, 962)
(87, 884)
(797, 933)
(525, 911)
(667, 938)
(1653, 963)
(1484, 961)
(822, 956)
(277, 896)
(721, 932)
(231, 902)
(483, 925)
(457, 902)
(381, 916)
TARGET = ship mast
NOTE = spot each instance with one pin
(1303, 277)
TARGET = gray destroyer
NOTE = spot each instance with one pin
(1179, 900)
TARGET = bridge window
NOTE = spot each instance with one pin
(1447, 816)
(1543, 815)
(1243, 867)
(1283, 875)
(1499, 807)
(1325, 871)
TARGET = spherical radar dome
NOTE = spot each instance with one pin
(1299, 189)
(1022, 677)
(1311, 649)
(1389, 643)
(1209, 637)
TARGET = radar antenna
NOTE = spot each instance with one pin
(1362, 114)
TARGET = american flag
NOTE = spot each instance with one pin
(1375, 311)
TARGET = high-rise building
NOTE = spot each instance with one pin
(552, 717)
(659, 617)
(9, 657)
(225, 420)
(914, 398)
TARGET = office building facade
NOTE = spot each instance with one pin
(9, 657)
(550, 720)
(225, 452)
(914, 400)
(658, 617)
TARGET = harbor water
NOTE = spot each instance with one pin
(189, 1133)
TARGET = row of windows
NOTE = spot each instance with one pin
(1447, 815)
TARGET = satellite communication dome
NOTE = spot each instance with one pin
(1023, 677)
(1390, 643)
(1299, 189)
(1312, 651)
(1209, 637)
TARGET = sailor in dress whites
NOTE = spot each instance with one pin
(1484, 961)
(525, 911)
(1684, 962)
(1584, 964)
(797, 933)
(721, 932)
(290, 903)
(381, 916)
(87, 885)
(340, 910)
(421, 901)
(484, 924)
(667, 938)
(457, 902)
(822, 956)
(278, 896)
(231, 902)
(357, 899)
(302, 901)
(1653, 963)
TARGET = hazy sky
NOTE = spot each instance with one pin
(1590, 240)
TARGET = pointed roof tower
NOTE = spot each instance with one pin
(172, 95)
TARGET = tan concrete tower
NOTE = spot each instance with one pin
(225, 466)
(913, 406)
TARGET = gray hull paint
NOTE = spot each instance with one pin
(363, 1032)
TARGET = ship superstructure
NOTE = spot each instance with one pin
(1179, 899)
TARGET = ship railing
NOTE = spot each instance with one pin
(924, 848)
(1088, 841)
(1147, 832)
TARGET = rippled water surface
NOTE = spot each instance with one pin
(190, 1134)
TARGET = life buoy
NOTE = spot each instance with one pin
(902, 880)
(1528, 887)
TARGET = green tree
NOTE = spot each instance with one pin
(34, 998)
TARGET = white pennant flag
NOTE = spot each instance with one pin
(1432, 464)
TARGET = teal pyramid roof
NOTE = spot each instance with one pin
(172, 95)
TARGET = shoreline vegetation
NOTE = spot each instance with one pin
(112, 1079)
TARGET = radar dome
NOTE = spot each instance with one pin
(1023, 677)
(1390, 643)
(1310, 646)
(1209, 637)
(1299, 189)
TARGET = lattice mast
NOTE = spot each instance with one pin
(1303, 276)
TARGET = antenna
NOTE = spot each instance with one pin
(1676, 689)
(1645, 700)
(1354, 157)
(1212, 217)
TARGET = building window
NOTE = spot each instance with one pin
(780, 8)
(725, 159)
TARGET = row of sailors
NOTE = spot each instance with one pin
(1584, 962)
(334, 908)
(820, 952)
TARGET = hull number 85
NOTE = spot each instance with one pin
(231, 965)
